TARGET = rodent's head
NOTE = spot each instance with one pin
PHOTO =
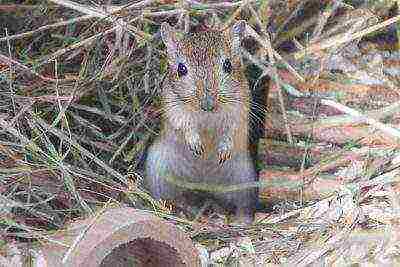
(206, 67)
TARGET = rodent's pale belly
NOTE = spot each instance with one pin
(205, 168)
(208, 170)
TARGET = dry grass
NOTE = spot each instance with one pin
(79, 84)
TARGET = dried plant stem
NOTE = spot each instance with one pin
(343, 120)
(104, 15)
(217, 5)
(381, 126)
(101, 13)
(17, 65)
(47, 27)
(288, 19)
(343, 38)
(11, 74)
(251, 32)
(166, 13)
(274, 75)
(323, 18)
(86, 41)
(13, 8)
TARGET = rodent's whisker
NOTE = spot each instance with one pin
(171, 105)
(255, 118)
(186, 100)
(258, 107)
(234, 101)
(182, 98)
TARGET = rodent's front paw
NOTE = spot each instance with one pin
(195, 145)
(224, 152)
(197, 149)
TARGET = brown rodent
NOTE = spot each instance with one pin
(206, 102)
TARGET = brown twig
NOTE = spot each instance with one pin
(344, 38)
(274, 73)
(46, 27)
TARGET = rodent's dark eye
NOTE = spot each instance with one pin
(182, 70)
(227, 66)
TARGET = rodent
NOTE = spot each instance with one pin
(206, 102)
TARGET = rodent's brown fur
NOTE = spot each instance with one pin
(197, 146)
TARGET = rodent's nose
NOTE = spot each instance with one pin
(207, 103)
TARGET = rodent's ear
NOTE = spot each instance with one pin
(237, 32)
(168, 35)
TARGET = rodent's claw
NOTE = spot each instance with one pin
(223, 155)
(194, 144)
(197, 149)
(224, 151)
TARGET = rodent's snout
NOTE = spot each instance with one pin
(207, 102)
(205, 94)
